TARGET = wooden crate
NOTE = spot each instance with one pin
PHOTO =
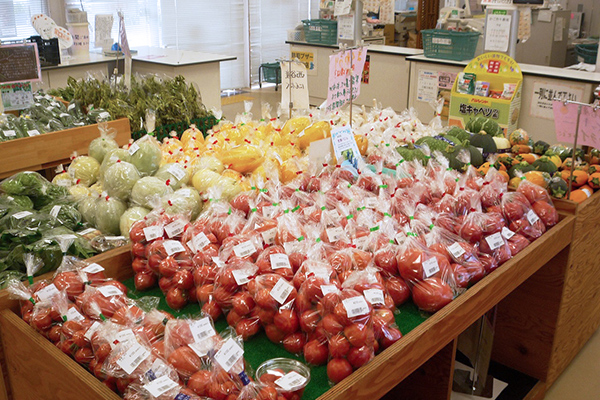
(430, 346)
(51, 149)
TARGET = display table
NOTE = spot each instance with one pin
(200, 68)
(419, 366)
(540, 85)
(388, 71)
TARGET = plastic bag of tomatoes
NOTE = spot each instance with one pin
(521, 217)
(101, 302)
(241, 247)
(159, 381)
(540, 201)
(273, 260)
(231, 279)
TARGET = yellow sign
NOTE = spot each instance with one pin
(308, 58)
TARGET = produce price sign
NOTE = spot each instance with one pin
(16, 96)
(295, 85)
(344, 145)
(19, 63)
(341, 70)
(565, 123)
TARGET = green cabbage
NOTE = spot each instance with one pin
(147, 158)
(99, 147)
(79, 192)
(87, 208)
(183, 201)
(108, 215)
(112, 157)
(175, 173)
(129, 217)
(146, 189)
(85, 170)
(119, 179)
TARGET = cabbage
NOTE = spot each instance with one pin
(99, 147)
(111, 158)
(119, 179)
(87, 208)
(108, 215)
(129, 217)
(147, 188)
(209, 162)
(205, 178)
(85, 169)
(230, 187)
(79, 192)
(147, 158)
(184, 201)
(176, 174)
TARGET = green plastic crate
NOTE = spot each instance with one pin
(269, 72)
(449, 45)
(161, 132)
(320, 31)
(587, 51)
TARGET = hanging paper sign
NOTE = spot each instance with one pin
(589, 127)
(343, 68)
(565, 121)
(294, 85)
(497, 32)
(342, 7)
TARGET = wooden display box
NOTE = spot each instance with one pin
(36, 369)
(51, 149)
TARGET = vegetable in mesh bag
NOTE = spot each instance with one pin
(107, 214)
(148, 188)
(84, 170)
(129, 217)
(100, 146)
(145, 155)
(119, 180)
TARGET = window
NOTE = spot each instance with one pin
(15, 17)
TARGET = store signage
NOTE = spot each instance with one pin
(344, 145)
(342, 69)
(16, 96)
(565, 121)
(19, 63)
(544, 92)
(308, 58)
(294, 85)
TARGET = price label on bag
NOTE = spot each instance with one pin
(10, 133)
(241, 276)
(173, 247)
(335, 234)
(199, 348)
(431, 267)
(202, 329)
(326, 289)
(507, 233)
(110, 291)
(292, 247)
(244, 249)
(47, 293)
(132, 358)
(93, 268)
(495, 241)
(532, 217)
(74, 315)
(279, 261)
(371, 202)
(21, 215)
(133, 149)
(290, 381)
(92, 329)
(281, 291)
(269, 236)
(218, 262)
(374, 296)
(361, 242)
(269, 211)
(177, 171)
(356, 306)
(175, 228)
(33, 132)
(152, 232)
(456, 250)
(200, 241)
(125, 336)
(229, 354)
(161, 385)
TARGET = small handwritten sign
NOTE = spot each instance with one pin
(565, 121)
(19, 63)
(294, 84)
(344, 69)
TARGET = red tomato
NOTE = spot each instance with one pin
(83, 355)
(199, 382)
(168, 267)
(356, 334)
(204, 292)
(339, 346)
(274, 334)
(309, 320)
(287, 321)
(359, 356)
(69, 281)
(461, 275)
(265, 316)
(138, 250)
(212, 309)
(432, 294)
(294, 343)
(338, 369)
(546, 212)
(332, 324)
(242, 303)
(514, 205)
(140, 265)
(517, 243)
(247, 328)
(390, 336)
(398, 289)
(144, 281)
(489, 262)
(176, 298)
(315, 352)
(183, 279)
(185, 361)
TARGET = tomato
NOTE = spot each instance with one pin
(390, 336)
(83, 355)
(525, 228)
(461, 275)
(356, 334)
(489, 262)
(199, 382)
(274, 334)
(243, 303)
(79, 339)
(432, 294)
(185, 361)
(264, 299)
(168, 267)
(338, 369)
(315, 352)
(53, 334)
(158, 349)
(183, 279)
(294, 343)
(359, 356)
(136, 233)
(471, 230)
(309, 320)
(212, 309)
(128, 316)
(69, 281)
(286, 320)
(517, 243)
(138, 250)
(140, 265)
(398, 289)
(546, 212)
(241, 202)
(296, 260)
(176, 298)
(408, 267)
(514, 205)
(339, 346)
(266, 316)
(247, 328)
(144, 281)
(332, 324)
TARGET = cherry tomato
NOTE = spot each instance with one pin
(315, 352)
(338, 369)
(287, 321)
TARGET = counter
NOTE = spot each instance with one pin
(389, 74)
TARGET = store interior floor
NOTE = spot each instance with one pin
(581, 380)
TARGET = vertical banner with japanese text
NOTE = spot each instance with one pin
(294, 83)
(342, 68)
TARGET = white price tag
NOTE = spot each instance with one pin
(532, 217)
(244, 249)
(93, 268)
(113, 238)
(229, 354)
(269, 211)
(269, 236)
(55, 210)
(74, 315)
(280, 261)
(200, 241)
(47, 293)
(202, 329)
(160, 385)
(218, 262)
(335, 234)
(241, 276)
(371, 202)
(110, 291)
(95, 326)
(431, 267)
(400, 237)
(495, 241)
(71, 106)
(456, 250)
(173, 247)
(374, 296)
(356, 306)
(33, 132)
(132, 358)
(87, 231)
(507, 233)
(175, 228)
(104, 114)
(10, 133)
(133, 149)
(124, 336)
(21, 214)
(281, 291)
(361, 242)
(326, 289)
(152, 232)
(177, 171)
(290, 381)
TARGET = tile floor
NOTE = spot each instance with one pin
(580, 381)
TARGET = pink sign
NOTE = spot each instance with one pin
(340, 73)
(589, 127)
(565, 121)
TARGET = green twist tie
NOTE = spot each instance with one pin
(387, 145)
(392, 241)
(287, 210)
(30, 279)
(242, 124)
(262, 120)
(32, 300)
(383, 186)
(229, 212)
(323, 208)
(297, 190)
(400, 162)
(468, 164)
(301, 238)
(409, 234)
(411, 217)
(64, 318)
(295, 208)
(456, 179)
(253, 187)
(523, 178)
(448, 169)
(427, 157)
(349, 185)
(376, 146)
(102, 317)
(264, 190)
(318, 240)
(275, 204)
(375, 228)
(349, 216)
(387, 215)
(431, 226)
(360, 208)
(253, 210)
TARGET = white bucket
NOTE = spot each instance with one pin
(81, 38)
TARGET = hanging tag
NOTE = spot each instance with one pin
(92, 329)
(200, 241)
(495, 241)
(281, 291)
(280, 261)
(430, 267)
(21, 215)
(55, 210)
(160, 385)
(229, 354)
(202, 329)
(290, 381)
(371, 202)
(74, 315)
(132, 358)
(177, 171)
(507, 233)
(532, 217)
(93, 268)
(110, 291)
(326, 289)
(133, 149)
(356, 306)
(241, 276)
(335, 234)
(456, 250)
(374, 296)
(269, 211)
(47, 293)
(175, 228)
(269, 236)
(125, 336)
(173, 247)
(244, 249)
(152, 232)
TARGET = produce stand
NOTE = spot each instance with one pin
(54, 148)
(38, 369)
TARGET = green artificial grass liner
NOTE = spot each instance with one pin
(259, 348)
